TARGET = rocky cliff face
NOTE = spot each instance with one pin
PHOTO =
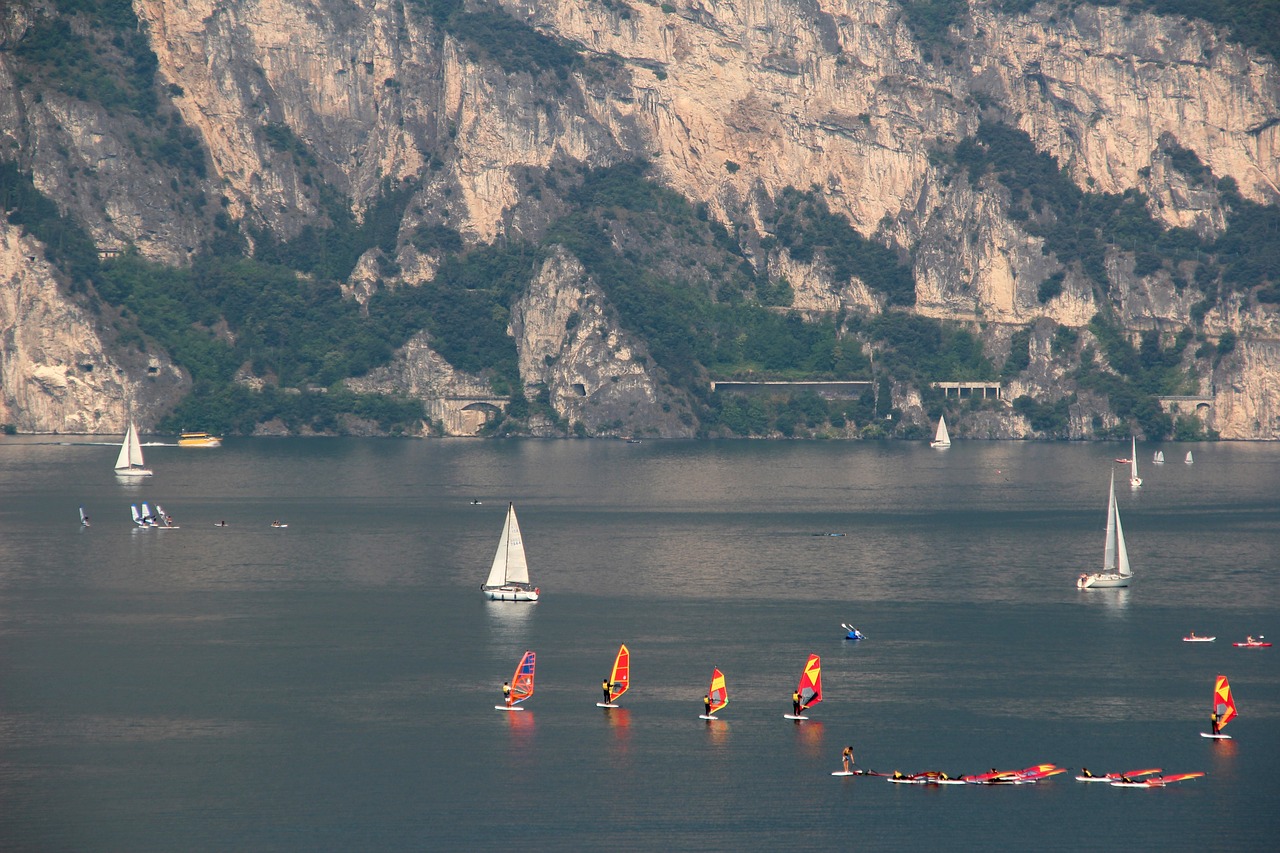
(732, 102)
(55, 371)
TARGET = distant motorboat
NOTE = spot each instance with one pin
(198, 439)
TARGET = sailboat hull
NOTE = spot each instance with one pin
(509, 593)
(133, 472)
(1102, 580)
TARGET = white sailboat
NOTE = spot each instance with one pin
(1158, 457)
(129, 463)
(1189, 460)
(1115, 557)
(509, 575)
(941, 438)
(1134, 480)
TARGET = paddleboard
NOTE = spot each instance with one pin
(706, 717)
(1198, 639)
(607, 705)
(279, 526)
(794, 717)
(1215, 737)
(906, 781)
(844, 773)
(505, 708)
(1132, 785)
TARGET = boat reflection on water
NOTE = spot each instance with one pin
(1113, 601)
(809, 736)
(508, 622)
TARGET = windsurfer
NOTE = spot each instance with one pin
(847, 758)
(506, 693)
(706, 703)
(795, 704)
(1215, 720)
(606, 686)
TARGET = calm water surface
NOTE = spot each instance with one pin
(330, 686)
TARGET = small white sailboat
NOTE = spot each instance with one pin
(129, 463)
(1115, 557)
(509, 575)
(941, 439)
(84, 519)
(1158, 457)
(1189, 460)
(1134, 480)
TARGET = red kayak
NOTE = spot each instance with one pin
(1252, 644)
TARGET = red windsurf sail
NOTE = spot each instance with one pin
(522, 681)
(1223, 705)
(620, 679)
(810, 688)
(718, 692)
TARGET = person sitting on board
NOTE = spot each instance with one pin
(606, 686)
(795, 704)
(1084, 771)
(1193, 635)
(847, 757)
(706, 702)
(506, 693)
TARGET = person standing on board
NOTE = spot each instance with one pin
(606, 686)
(847, 757)
(795, 704)
(706, 703)
(1215, 722)
(506, 693)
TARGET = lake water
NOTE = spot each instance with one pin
(330, 686)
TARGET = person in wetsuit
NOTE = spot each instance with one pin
(606, 686)
(506, 693)
(706, 703)
(795, 704)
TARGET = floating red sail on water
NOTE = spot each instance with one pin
(620, 679)
(1223, 705)
(522, 681)
(810, 687)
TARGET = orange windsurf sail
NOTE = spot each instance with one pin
(620, 679)
(810, 688)
(1223, 705)
(718, 692)
(522, 681)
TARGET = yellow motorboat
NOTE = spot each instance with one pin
(199, 439)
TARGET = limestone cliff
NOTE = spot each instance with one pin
(55, 371)
(732, 102)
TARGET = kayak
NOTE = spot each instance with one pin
(1254, 645)
(1198, 639)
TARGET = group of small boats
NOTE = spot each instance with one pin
(1249, 642)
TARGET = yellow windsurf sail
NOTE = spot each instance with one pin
(1223, 704)
(718, 692)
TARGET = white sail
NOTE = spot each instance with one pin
(1134, 479)
(1189, 460)
(130, 459)
(1122, 553)
(1109, 550)
(509, 564)
(942, 438)
(1158, 457)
